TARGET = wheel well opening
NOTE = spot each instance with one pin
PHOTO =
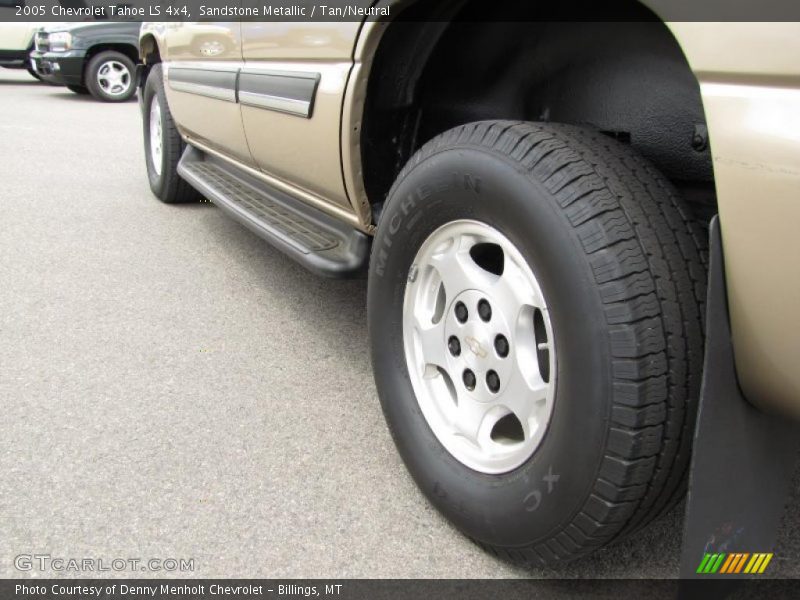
(148, 50)
(130, 51)
(149, 55)
(628, 79)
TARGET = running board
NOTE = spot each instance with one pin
(320, 242)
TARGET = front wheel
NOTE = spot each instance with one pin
(536, 331)
(163, 145)
(110, 77)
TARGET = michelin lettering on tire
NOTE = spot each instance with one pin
(466, 181)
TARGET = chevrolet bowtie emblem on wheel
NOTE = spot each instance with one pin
(475, 346)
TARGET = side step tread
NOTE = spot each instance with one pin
(319, 241)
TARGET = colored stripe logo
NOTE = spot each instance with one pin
(734, 563)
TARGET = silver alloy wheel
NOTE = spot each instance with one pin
(479, 346)
(114, 78)
(156, 139)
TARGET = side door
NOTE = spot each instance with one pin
(291, 91)
(202, 64)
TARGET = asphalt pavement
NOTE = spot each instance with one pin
(173, 387)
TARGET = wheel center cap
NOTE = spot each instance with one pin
(476, 346)
(470, 334)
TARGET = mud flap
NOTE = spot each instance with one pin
(742, 462)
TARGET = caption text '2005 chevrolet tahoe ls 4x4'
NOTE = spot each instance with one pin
(532, 203)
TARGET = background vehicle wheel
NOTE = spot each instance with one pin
(110, 77)
(535, 311)
(78, 89)
(163, 145)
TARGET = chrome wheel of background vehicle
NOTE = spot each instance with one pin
(114, 78)
(156, 136)
(109, 76)
(478, 344)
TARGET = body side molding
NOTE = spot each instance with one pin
(283, 91)
(289, 92)
(213, 83)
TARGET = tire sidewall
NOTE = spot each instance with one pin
(545, 493)
(91, 76)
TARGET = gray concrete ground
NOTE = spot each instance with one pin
(173, 387)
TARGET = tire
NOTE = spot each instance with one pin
(119, 86)
(162, 173)
(34, 74)
(621, 268)
(78, 89)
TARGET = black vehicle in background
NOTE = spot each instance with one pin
(89, 58)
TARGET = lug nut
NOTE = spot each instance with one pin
(454, 345)
(493, 381)
(501, 346)
(485, 310)
(469, 379)
(461, 312)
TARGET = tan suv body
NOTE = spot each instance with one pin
(320, 112)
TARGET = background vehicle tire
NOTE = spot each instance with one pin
(110, 77)
(78, 89)
(163, 145)
(621, 266)
(34, 74)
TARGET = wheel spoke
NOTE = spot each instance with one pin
(469, 420)
(432, 342)
(456, 267)
(526, 397)
(512, 292)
